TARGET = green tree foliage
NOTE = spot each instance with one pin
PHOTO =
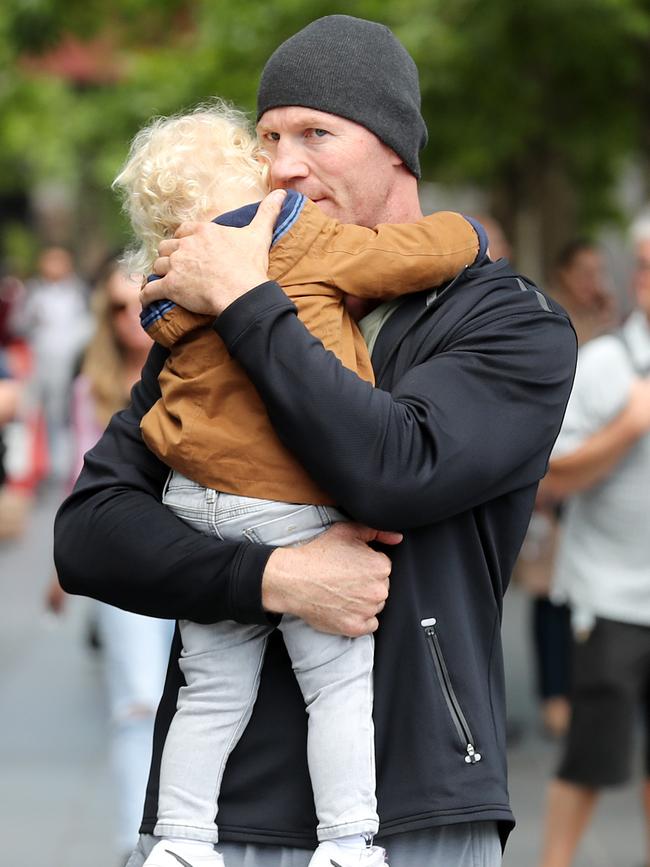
(539, 102)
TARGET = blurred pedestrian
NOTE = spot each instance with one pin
(56, 321)
(135, 648)
(9, 396)
(12, 299)
(580, 285)
(601, 464)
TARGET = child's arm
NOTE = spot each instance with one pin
(397, 258)
(166, 322)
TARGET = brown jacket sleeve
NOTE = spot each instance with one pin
(174, 324)
(397, 258)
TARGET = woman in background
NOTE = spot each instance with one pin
(135, 648)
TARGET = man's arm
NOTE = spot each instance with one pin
(115, 541)
(466, 425)
(594, 460)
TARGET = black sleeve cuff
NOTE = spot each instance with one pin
(246, 586)
(242, 314)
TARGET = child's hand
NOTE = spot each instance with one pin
(206, 267)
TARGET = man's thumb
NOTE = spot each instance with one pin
(368, 534)
(268, 211)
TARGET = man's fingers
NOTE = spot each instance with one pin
(358, 627)
(372, 625)
(368, 534)
(168, 246)
(388, 537)
(267, 213)
(153, 291)
(183, 231)
(162, 265)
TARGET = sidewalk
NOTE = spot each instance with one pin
(54, 781)
(616, 835)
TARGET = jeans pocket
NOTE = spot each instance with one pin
(288, 524)
(189, 501)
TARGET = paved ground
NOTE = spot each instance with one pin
(54, 784)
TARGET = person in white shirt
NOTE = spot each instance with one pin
(57, 322)
(601, 465)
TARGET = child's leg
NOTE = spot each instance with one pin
(335, 676)
(221, 663)
(267, 522)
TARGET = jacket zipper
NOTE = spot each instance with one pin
(457, 715)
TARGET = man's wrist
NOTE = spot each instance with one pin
(272, 583)
(223, 300)
(276, 577)
(257, 303)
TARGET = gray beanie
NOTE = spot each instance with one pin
(353, 68)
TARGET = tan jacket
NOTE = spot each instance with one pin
(210, 424)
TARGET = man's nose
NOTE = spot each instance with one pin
(288, 164)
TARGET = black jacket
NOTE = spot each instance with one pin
(472, 384)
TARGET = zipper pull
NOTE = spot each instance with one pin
(427, 624)
(472, 756)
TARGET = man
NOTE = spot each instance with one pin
(602, 464)
(448, 449)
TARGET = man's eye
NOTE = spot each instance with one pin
(272, 136)
(319, 133)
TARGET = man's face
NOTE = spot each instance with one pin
(641, 276)
(345, 169)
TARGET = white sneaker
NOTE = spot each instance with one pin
(167, 854)
(329, 854)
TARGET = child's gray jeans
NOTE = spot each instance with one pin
(222, 662)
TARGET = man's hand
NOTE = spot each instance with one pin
(206, 267)
(336, 583)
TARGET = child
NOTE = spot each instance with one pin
(231, 476)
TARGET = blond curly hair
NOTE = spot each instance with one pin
(180, 168)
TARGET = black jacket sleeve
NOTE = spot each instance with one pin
(460, 427)
(114, 540)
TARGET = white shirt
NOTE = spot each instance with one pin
(603, 562)
(57, 319)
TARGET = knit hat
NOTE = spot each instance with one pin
(353, 68)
